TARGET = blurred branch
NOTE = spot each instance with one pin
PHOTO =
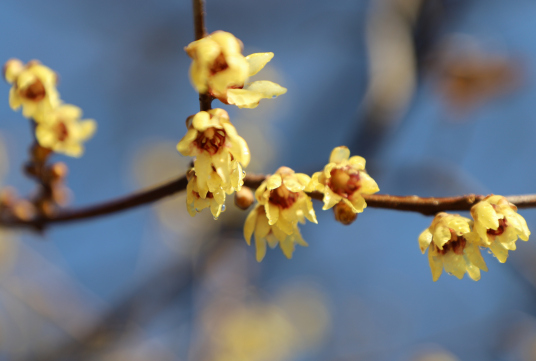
(205, 100)
(426, 206)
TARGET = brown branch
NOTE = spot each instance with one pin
(205, 100)
(426, 206)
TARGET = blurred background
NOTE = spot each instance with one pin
(438, 95)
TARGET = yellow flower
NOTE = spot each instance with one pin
(282, 204)
(344, 179)
(451, 248)
(62, 130)
(34, 88)
(218, 149)
(257, 224)
(497, 225)
(195, 203)
(219, 68)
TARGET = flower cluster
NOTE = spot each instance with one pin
(219, 69)
(454, 241)
(283, 201)
(58, 125)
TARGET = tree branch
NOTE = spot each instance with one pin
(427, 206)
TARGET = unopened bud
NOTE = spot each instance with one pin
(244, 198)
(58, 170)
(24, 210)
(344, 214)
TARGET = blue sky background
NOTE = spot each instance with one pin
(123, 63)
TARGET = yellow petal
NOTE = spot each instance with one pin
(357, 162)
(202, 121)
(203, 169)
(267, 88)
(249, 224)
(239, 148)
(257, 61)
(368, 185)
(287, 246)
(274, 181)
(330, 198)
(499, 251)
(475, 257)
(260, 244)
(358, 202)
(292, 183)
(339, 154)
(185, 146)
(86, 129)
(484, 213)
(272, 212)
(436, 266)
(441, 235)
(424, 240)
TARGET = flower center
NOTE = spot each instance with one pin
(34, 92)
(500, 230)
(61, 131)
(282, 197)
(343, 183)
(219, 64)
(211, 140)
(209, 195)
(456, 244)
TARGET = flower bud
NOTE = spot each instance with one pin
(344, 213)
(244, 198)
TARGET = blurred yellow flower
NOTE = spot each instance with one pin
(220, 152)
(451, 248)
(282, 204)
(344, 179)
(218, 67)
(195, 203)
(498, 225)
(62, 130)
(34, 88)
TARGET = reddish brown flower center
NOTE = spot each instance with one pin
(219, 64)
(343, 183)
(209, 195)
(456, 244)
(61, 131)
(500, 230)
(211, 140)
(282, 197)
(34, 92)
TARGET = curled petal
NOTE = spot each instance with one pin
(424, 240)
(274, 181)
(357, 162)
(330, 198)
(185, 146)
(249, 224)
(257, 61)
(368, 185)
(237, 146)
(339, 154)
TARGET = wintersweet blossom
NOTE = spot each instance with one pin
(34, 88)
(344, 179)
(451, 248)
(498, 225)
(257, 224)
(282, 204)
(195, 203)
(219, 68)
(220, 152)
(62, 130)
